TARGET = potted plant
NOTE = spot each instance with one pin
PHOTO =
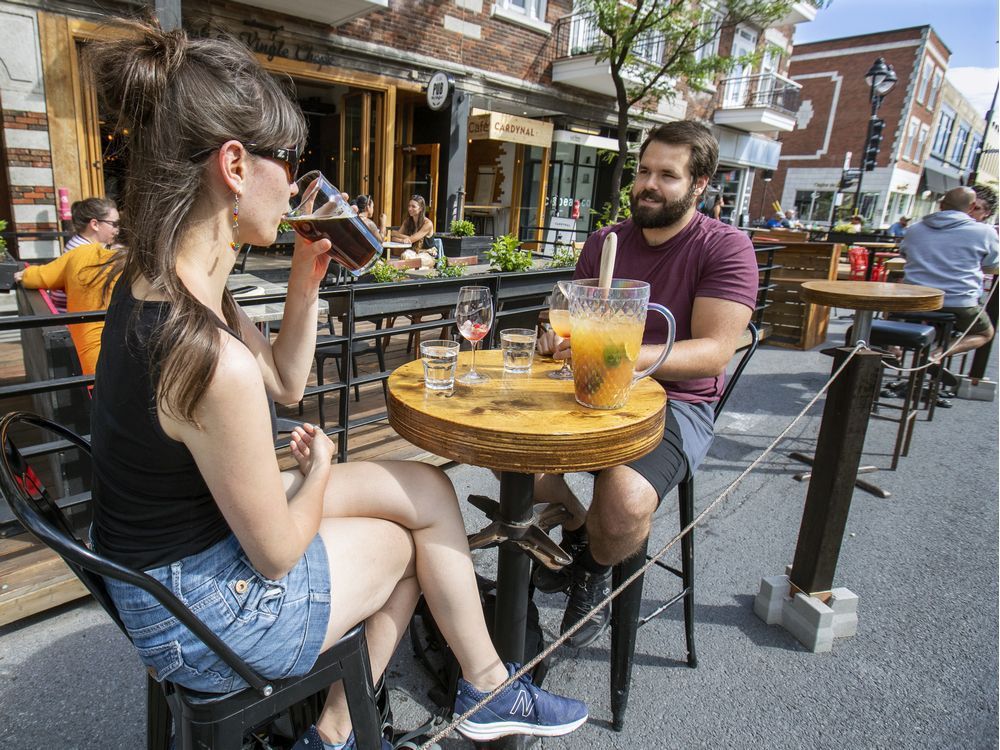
(505, 254)
(463, 240)
(445, 270)
(8, 266)
(565, 256)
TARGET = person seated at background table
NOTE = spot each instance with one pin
(790, 221)
(94, 220)
(949, 250)
(703, 271)
(899, 228)
(985, 205)
(857, 223)
(778, 221)
(418, 230)
(187, 485)
(366, 210)
(86, 274)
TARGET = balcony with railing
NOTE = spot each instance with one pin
(758, 102)
(578, 41)
(803, 11)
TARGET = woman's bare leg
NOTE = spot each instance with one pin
(372, 565)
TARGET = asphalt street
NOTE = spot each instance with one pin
(921, 672)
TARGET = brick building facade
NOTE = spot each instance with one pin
(831, 126)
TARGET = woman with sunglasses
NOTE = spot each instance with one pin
(187, 486)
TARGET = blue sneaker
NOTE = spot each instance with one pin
(312, 741)
(522, 708)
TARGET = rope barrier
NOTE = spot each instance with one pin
(528, 666)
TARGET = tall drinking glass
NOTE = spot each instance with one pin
(474, 316)
(319, 212)
(559, 320)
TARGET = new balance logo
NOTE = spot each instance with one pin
(523, 704)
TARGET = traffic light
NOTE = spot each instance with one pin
(874, 142)
(848, 178)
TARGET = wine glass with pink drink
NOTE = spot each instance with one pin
(474, 316)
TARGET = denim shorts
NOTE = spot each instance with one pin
(277, 627)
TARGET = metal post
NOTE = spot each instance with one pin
(510, 621)
(876, 101)
(458, 142)
(835, 469)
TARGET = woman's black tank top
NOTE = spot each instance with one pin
(151, 504)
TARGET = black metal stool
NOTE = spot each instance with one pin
(917, 340)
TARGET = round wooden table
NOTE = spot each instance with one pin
(868, 297)
(521, 425)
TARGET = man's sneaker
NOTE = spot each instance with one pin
(522, 708)
(312, 741)
(551, 581)
(585, 591)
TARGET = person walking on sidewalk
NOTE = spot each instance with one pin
(705, 272)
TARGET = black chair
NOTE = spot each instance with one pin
(200, 720)
(625, 616)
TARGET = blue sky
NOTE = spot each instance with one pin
(968, 27)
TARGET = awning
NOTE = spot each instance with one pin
(496, 126)
(938, 182)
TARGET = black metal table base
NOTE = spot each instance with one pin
(861, 484)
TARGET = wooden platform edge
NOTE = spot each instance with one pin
(56, 585)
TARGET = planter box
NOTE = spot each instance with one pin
(456, 246)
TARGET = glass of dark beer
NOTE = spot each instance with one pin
(319, 211)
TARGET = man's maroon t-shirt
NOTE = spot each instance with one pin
(706, 259)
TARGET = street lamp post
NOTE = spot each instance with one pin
(880, 79)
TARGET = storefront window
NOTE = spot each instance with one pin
(573, 178)
(814, 206)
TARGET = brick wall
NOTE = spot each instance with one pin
(503, 46)
(20, 120)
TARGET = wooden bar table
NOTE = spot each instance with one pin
(845, 423)
(869, 297)
(520, 425)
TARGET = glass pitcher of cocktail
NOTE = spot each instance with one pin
(607, 325)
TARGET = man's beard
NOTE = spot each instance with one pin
(664, 215)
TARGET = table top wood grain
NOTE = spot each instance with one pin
(873, 295)
(526, 423)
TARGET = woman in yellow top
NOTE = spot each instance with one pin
(82, 273)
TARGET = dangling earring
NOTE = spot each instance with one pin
(235, 244)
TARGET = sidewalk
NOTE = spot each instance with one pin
(920, 673)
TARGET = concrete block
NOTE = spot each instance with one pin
(771, 599)
(844, 604)
(810, 621)
(981, 390)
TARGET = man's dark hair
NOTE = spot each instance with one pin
(988, 196)
(90, 208)
(704, 148)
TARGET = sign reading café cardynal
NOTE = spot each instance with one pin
(496, 126)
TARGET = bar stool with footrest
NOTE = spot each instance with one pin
(200, 720)
(625, 616)
(917, 340)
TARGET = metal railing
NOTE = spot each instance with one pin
(578, 34)
(760, 90)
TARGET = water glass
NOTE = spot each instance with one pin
(440, 358)
(518, 347)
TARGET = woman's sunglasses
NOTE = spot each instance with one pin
(288, 156)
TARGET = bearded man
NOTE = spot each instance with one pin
(705, 273)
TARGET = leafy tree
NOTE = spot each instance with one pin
(652, 44)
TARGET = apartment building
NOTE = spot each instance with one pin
(496, 104)
(832, 122)
(950, 154)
